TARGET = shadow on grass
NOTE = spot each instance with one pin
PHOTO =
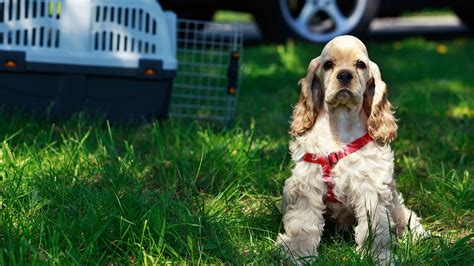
(114, 219)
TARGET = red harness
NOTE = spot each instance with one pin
(328, 162)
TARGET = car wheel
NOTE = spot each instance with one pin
(314, 20)
(464, 11)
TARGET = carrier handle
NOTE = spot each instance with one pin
(233, 72)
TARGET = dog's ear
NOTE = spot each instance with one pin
(381, 123)
(310, 101)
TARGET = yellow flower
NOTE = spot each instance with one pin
(441, 49)
(397, 45)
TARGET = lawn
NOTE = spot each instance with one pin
(83, 191)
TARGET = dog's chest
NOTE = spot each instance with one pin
(371, 165)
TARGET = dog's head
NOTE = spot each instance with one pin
(343, 75)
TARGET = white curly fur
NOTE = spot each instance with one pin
(363, 181)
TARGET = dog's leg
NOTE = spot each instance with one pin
(405, 219)
(373, 219)
(303, 220)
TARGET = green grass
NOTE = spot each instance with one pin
(225, 16)
(86, 192)
(429, 12)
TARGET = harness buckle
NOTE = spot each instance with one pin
(332, 158)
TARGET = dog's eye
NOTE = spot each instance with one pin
(360, 65)
(328, 65)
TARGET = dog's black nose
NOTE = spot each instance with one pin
(344, 77)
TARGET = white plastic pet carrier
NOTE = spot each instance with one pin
(116, 57)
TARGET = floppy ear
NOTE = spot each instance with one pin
(381, 123)
(309, 103)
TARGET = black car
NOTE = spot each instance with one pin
(314, 20)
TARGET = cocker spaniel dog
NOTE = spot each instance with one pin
(342, 126)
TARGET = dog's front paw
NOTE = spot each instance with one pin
(419, 232)
(299, 249)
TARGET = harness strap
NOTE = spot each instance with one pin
(327, 162)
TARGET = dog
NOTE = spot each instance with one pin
(341, 129)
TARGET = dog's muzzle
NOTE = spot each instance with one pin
(344, 96)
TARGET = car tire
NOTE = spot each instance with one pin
(278, 21)
(464, 11)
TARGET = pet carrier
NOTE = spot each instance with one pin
(114, 57)
(208, 72)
